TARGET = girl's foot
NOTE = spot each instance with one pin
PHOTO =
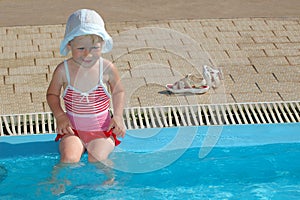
(109, 181)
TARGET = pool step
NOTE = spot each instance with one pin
(169, 116)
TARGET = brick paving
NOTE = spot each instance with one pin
(260, 59)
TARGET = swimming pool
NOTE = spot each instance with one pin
(247, 162)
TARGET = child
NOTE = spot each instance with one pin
(87, 123)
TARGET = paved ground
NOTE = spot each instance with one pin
(45, 12)
(157, 43)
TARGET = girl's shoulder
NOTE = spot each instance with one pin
(60, 67)
(60, 70)
(107, 64)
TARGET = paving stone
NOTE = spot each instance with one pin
(280, 87)
(294, 27)
(269, 61)
(16, 98)
(217, 22)
(276, 21)
(231, 61)
(294, 38)
(23, 79)
(23, 30)
(52, 29)
(48, 61)
(3, 31)
(37, 98)
(256, 97)
(286, 33)
(34, 36)
(13, 43)
(245, 78)
(3, 71)
(295, 45)
(27, 88)
(234, 27)
(235, 40)
(280, 39)
(10, 55)
(291, 96)
(219, 34)
(213, 47)
(217, 54)
(268, 27)
(294, 60)
(28, 70)
(20, 49)
(288, 76)
(6, 90)
(151, 70)
(250, 22)
(282, 52)
(247, 53)
(17, 62)
(242, 87)
(261, 33)
(264, 46)
(36, 54)
(6, 38)
(271, 69)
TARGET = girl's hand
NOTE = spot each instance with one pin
(117, 125)
(63, 125)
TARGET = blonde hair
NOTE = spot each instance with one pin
(95, 38)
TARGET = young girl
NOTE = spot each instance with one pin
(86, 79)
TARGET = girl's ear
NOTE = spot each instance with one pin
(69, 46)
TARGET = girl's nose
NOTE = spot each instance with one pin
(87, 52)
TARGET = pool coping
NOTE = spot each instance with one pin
(165, 139)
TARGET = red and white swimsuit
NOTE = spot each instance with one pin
(88, 111)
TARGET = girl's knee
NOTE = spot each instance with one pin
(71, 149)
(97, 157)
(99, 149)
(69, 158)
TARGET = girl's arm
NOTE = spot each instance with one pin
(118, 100)
(53, 100)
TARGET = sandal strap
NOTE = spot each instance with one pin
(213, 76)
(193, 81)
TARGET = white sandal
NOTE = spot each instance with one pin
(212, 76)
(189, 84)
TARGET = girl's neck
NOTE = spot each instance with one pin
(82, 67)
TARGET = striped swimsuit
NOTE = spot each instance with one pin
(88, 111)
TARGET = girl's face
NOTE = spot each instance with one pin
(86, 50)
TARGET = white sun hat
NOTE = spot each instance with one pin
(85, 22)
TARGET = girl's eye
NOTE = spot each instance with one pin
(80, 48)
(96, 47)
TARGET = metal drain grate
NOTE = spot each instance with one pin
(222, 114)
(169, 116)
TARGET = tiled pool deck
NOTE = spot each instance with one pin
(260, 59)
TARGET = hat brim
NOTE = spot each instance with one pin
(87, 30)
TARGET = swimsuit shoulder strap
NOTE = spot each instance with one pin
(67, 71)
(101, 69)
(101, 78)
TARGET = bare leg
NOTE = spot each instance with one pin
(71, 150)
(98, 152)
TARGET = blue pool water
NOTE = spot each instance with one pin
(241, 162)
